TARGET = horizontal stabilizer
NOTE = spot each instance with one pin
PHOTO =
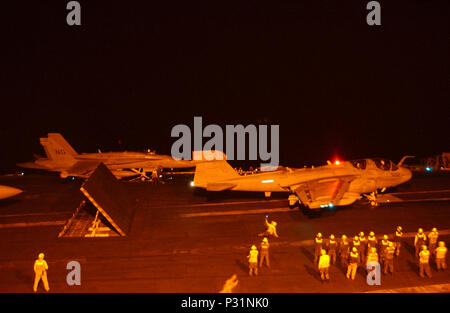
(208, 155)
(219, 186)
(212, 172)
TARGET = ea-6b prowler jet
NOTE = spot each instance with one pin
(337, 184)
(62, 158)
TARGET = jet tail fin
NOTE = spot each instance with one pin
(404, 158)
(58, 149)
(212, 172)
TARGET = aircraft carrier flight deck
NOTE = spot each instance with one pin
(181, 240)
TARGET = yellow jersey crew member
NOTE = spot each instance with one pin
(230, 284)
(271, 229)
(253, 261)
(264, 252)
(324, 265)
(432, 240)
(389, 258)
(40, 271)
(318, 241)
(398, 240)
(440, 253)
(419, 240)
(353, 263)
(344, 249)
(332, 247)
(384, 243)
(424, 262)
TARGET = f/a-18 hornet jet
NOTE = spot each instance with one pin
(334, 184)
(7, 192)
(62, 158)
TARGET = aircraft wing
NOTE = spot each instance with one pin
(219, 186)
(83, 168)
(323, 191)
(32, 165)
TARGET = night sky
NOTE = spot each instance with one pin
(133, 70)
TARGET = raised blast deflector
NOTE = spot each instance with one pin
(108, 195)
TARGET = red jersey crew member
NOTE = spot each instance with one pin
(372, 241)
(40, 271)
(419, 240)
(363, 247)
(318, 241)
(332, 247)
(264, 252)
(384, 244)
(389, 258)
(344, 249)
(353, 263)
(432, 240)
(357, 245)
(398, 240)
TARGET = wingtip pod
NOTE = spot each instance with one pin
(208, 155)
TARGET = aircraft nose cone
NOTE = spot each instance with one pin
(407, 174)
(7, 192)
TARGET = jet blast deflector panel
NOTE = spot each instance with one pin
(109, 196)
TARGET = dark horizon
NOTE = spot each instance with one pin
(336, 86)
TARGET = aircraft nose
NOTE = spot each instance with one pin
(7, 192)
(407, 174)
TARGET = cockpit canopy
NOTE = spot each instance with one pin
(382, 164)
(359, 164)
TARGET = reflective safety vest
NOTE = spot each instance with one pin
(420, 239)
(372, 241)
(324, 261)
(441, 252)
(356, 244)
(384, 244)
(40, 266)
(292, 199)
(372, 257)
(433, 236)
(424, 256)
(343, 248)
(354, 257)
(398, 236)
(363, 241)
(253, 257)
(318, 241)
(332, 245)
(390, 253)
